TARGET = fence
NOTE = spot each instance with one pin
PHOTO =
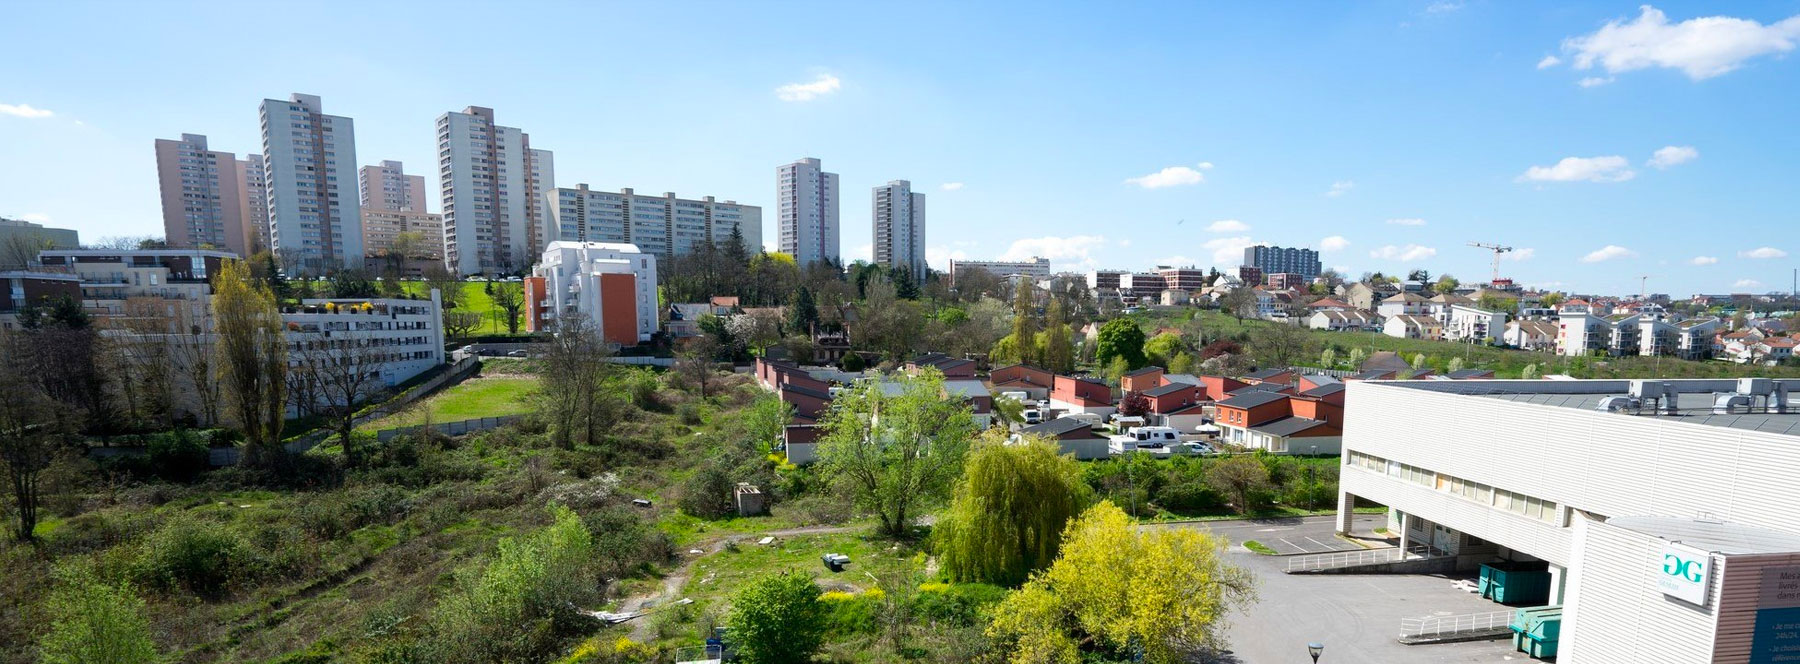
(456, 428)
(1442, 626)
(1342, 559)
(1334, 373)
(699, 654)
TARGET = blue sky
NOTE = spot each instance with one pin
(1389, 134)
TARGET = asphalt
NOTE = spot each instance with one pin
(1356, 617)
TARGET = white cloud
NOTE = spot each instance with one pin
(865, 251)
(1746, 283)
(1125, 243)
(1763, 252)
(1607, 253)
(1334, 243)
(1227, 226)
(1076, 249)
(1582, 169)
(36, 218)
(25, 111)
(1594, 81)
(1524, 254)
(1442, 7)
(1406, 221)
(1205, 165)
(1228, 250)
(1701, 47)
(1339, 188)
(1705, 260)
(1549, 61)
(951, 186)
(1406, 253)
(1673, 155)
(1173, 176)
(823, 85)
(940, 257)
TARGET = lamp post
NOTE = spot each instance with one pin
(1314, 649)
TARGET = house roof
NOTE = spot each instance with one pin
(1416, 321)
(967, 388)
(1252, 399)
(1465, 374)
(1171, 388)
(796, 389)
(1324, 390)
(1696, 322)
(1143, 371)
(1373, 374)
(1189, 379)
(1287, 426)
(1405, 297)
(1260, 387)
(1542, 328)
(1321, 379)
(1265, 374)
(1451, 298)
(1385, 359)
(1057, 427)
(1328, 303)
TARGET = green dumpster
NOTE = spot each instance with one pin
(1511, 582)
(1537, 630)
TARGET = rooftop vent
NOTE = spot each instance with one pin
(1723, 402)
(1618, 404)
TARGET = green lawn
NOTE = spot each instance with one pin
(482, 396)
(474, 299)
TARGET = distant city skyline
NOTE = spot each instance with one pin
(1386, 136)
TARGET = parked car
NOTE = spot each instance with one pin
(518, 353)
(1033, 416)
(1198, 448)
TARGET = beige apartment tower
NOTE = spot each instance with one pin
(202, 196)
(388, 187)
(495, 191)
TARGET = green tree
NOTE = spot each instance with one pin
(1008, 514)
(252, 358)
(1239, 478)
(778, 619)
(803, 314)
(1120, 338)
(1182, 363)
(896, 453)
(1418, 361)
(1357, 355)
(1280, 344)
(1058, 351)
(1328, 358)
(1530, 372)
(1123, 592)
(1162, 349)
(1024, 323)
(1456, 364)
(1551, 299)
(95, 622)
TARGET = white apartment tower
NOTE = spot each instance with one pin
(663, 225)
(899, 216)
(202, 198)
(388, 188)
(255, 197)
(315, 216)
(494, 191)
(808, 211)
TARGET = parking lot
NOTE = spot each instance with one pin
(1290, 536)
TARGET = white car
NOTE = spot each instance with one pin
(1198, 448)
(1032, 416)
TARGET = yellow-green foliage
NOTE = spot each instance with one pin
(1009, 511)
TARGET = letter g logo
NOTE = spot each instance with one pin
(1673, 565)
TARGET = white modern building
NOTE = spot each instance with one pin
(1587, 334)
(1663, 511)
(494, 191)
(661, 225)
(1036, 268)
(612, 284)
(899, 226)
(807, 212)
(402, 338)
(1471, 324)
(309, 158)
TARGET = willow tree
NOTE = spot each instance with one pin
(896, 448)
(1007, 517)
(252, 359)
(1024, 324)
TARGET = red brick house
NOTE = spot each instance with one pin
(1034, 382)
(1140, 380)
(1081, 395)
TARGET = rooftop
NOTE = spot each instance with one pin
(1693, 402)
(1253, 399)
(1715, 536)
(1057, 426)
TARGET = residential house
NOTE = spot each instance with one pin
(1412, 326)
(1177, 405)
(1281, 423)
(1329, 304)
(1034, 382)
(1081, 395)
(1141, 380)
(684, 317)
(1403, 304)
(980, 400)
(1073, 436)
(1695, 338)
(1340, 320)
(1531, 334)
(1270, 376)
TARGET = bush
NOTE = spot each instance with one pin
(178, 456)
(707, 493)
(778, 619)
(201, 557)
(1310, 495)
(962, 604)
(518, 606)
(1189, 496)
(336, 514)
(848, 615)
(623, 541)
(94, 622)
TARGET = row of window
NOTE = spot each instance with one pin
(1517, 503)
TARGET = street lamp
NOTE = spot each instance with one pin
(1314, 649)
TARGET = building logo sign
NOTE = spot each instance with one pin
(1683, 573)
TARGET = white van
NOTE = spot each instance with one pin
(1033, 416)
(1020, 397)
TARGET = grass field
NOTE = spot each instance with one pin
(483, 396)
(474, 299)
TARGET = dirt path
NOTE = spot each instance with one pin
(670, 590)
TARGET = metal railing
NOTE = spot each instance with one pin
(1340, 559)
(699, 654)
(1440, 626)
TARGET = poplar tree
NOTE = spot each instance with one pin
(252, 359)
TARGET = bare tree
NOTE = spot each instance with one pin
(252, 358)
(1240, 302)
(191, 349)
(575, 370)
(21, 249)
(140, 358)
(695, 363)
(449, 285)
(1279, 345)
(458, 324)
(128, 242)
(332, 377)
(28, 429)
(509, 302)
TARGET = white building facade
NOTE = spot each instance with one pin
(662, 225)
(612, 284)
(899, 225)
(807, 212)
(403, 338)
(309, 159)
(1036, 268)
(494, 191)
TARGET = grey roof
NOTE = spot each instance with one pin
(1287, 426)
(1057, 427)
(1321, 379)
(1693, 403)
(967, 388)
(1324, 390)
(1259, 387)
(816, 394)
(1265, 373)
(1144, 370)
(1252, 399)
(1171, 388)
(1462, 374)
(1373, 374)
(1716, 536)
(1190, 379)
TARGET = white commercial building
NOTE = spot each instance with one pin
(1666, 513)
(807, 208)
(315, 211)
(1036, 268)
(661, 225)
(613, 285)
(899, 226)
(495, 188)
(402, 338)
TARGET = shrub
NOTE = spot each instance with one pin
(1188, 496)
(517, 607)
(707, 493)
(623, 541)
(961, 604)
(178, 456)
(848, 615)
(778, 619)
(202, 557)
(95, 622)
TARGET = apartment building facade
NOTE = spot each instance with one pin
(612, 284)
(203, 199)
(387, 187)
(494, 191)
(1273, 260)
(663, 226)
(119, 288)
(20, 289)
(1036, 268)
(399, 338)
(252, 176)
(315, 215)
(898, 215)
(381, 227)
(807, 212)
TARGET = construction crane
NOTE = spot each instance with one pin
(1644, 288)
(1497, 249)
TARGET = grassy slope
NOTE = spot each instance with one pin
(483, 396)
(1507, 363)
(476, 300)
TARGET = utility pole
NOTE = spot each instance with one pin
(1498, 250)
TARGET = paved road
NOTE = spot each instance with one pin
(1288, 536)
